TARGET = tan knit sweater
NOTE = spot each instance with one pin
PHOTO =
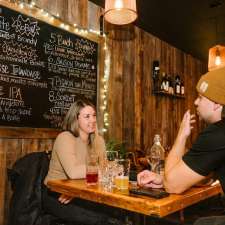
(68, 160)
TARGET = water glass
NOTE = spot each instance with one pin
(107, 170)
(111, 155)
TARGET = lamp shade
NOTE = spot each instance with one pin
(216, 57)
(120, 12)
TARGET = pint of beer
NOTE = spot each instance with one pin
(121, 179)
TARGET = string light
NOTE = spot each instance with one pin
(62, 25)
(51, 17)
(21, 5)
(104, 92)
(32, 3)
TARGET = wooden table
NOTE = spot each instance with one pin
(141, 204)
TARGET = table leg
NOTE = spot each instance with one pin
(181, 212)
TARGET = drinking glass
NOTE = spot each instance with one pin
(122, 174)
(107, 170)
(111, 155)
(92, 169)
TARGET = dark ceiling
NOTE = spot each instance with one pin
(192, 25)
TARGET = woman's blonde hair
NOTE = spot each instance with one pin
(70, 122)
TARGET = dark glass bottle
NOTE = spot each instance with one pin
(155, 75)
(170, 84)
(177, 85)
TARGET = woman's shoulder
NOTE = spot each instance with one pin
(100, 139)
(65, 139)
(65, 135)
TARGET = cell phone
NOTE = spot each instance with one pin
(151, 192)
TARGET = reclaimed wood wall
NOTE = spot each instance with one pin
(135, 115)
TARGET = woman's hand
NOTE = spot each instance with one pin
(65, 199)
(147, 178)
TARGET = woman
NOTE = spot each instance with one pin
(70, 149)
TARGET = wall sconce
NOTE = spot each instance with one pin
(120, 12)
(216, 57)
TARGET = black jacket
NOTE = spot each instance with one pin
(26, 178)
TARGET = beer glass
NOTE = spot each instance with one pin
(122, 174)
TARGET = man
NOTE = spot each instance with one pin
(184, 169)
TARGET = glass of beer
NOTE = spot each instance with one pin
(121, 179)
(92, 169)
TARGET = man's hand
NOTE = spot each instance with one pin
(149, 179)
(64, 199)
(186, 125)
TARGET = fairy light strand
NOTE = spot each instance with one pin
(105, 86)
(51, 17)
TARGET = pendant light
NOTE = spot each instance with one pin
(120, 12)
(216, 53)
(216, 57)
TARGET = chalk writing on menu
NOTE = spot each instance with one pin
(43, 70)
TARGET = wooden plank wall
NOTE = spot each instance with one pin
(15, 143)
(135, 114)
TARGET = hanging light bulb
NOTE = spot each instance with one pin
(217, 59)
(120, 12)
(118, 4)
(216, 53)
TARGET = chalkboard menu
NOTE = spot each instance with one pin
(43, 69)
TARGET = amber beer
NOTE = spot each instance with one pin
(122, 182)
(121, 179)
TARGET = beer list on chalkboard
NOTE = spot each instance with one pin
(43, 70)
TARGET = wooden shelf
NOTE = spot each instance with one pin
(163, 93)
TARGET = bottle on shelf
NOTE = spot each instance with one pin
(164, 83)
(155, 75)
(182, 91)
(170, 89)
(167, 83)
(156, 156)
(177, 85)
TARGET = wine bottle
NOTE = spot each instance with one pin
(155, 75)
(156, 156)
(177, 85)
(170, 84)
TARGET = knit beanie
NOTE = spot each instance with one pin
(212, 85)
